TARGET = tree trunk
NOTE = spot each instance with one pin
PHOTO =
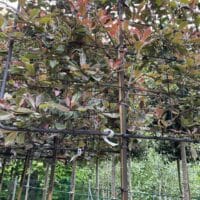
(14, 188)
(73, 181)
(122, 107)
(26, 165)
(130, 178)
(185, 181)
(179, 176)
(28, 180)
(52, 173)
(46, 182)
(2, 173)
(97, 179)
(160, 190)
(113, 180)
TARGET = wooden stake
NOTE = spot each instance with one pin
(130, 178)
(28, 180)
(73, 181)
(14, 188)
(97, 179)
(9, 57)
(122, 109)
(2, 173)
(46, 182)
(113, 179)
(185, 178)
(179, 176)
(52, 173)
(23, 175)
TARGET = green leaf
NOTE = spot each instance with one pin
(138, 45)
(3, 35)
(75, 98)
(45, 20)
(22, 2)
(68, 114)
(9, 138)
(25, 59)
(52, 105)
(60, 49)
(185, 1)
(60, 126)
(84, 108)
(111, 115)
(17, 35)
(23, 111)
(34, 13)
(53, 63)
(173, 4)
(20, 139)
(5, 115)
(30, 69)
(159, 2)
(1, 20)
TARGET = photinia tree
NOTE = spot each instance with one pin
(65, 58)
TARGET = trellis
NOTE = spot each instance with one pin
(123, 137)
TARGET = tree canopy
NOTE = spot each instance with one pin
(63, 72)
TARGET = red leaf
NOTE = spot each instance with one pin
(193, 3)
(103, 17)
(137, 32)
(4, 104)
(147, 32)
(82, 4)
(42, 13)
(115, 64)
(159, 112)
(68, 101)
(113, 30)
(72, 6)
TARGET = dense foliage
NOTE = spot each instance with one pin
(63, 59)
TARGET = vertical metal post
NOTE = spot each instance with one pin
(122, 108)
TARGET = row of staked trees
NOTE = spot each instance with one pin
(60, 66)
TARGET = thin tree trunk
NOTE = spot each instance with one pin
(113, 180)
(14, 188)
(185, 178)
(97, 179)
(160, 190)
(28, 180)
(2, 173)
(46, 182)
(122, 107)
(179, 176)
(103, 193)
(130, 178)
(26, 165)
(52, 173)
(73, 181)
